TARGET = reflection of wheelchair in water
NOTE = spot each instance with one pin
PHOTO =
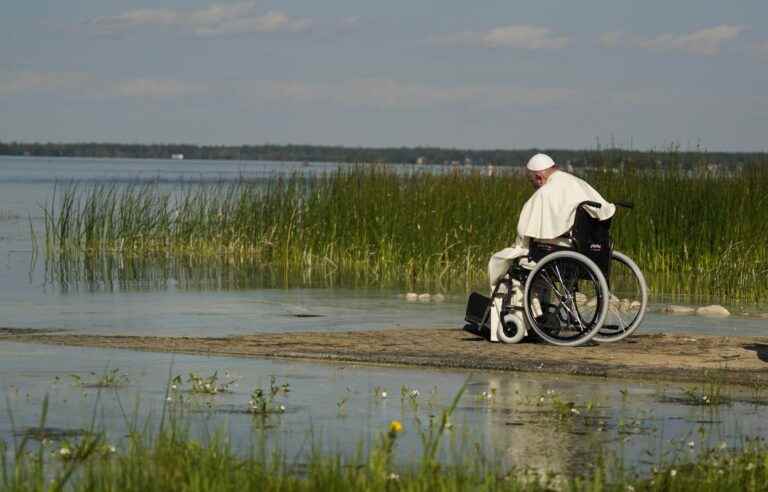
(570, 294)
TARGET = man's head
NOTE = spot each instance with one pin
(540, 167)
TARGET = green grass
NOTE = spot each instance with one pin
(701, 236)
(172, 460)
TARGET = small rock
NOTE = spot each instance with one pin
(424, 297)
(635, 305)
(762, 315)
(675, 309)
(625, 305)
(592, 302)
(581, 298)
(438, 298)
(411, 296)
(713, 310)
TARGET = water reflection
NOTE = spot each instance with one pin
(546, 423)
(121, 273)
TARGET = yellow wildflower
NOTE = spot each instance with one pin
(395, 426)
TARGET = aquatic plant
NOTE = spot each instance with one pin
(262, 402)
(376, 227)
(113, 378)
(204, 385)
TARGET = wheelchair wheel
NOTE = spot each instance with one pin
(627, 302)
(565, 299)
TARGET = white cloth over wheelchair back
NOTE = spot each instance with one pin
(548, 214)
(551, 210)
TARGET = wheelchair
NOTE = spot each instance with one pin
(570, 294)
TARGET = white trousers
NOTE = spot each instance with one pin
(502, 260)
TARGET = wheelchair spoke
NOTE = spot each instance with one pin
(617, 312)
(549, 281)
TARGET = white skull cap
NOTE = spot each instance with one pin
(540, 162)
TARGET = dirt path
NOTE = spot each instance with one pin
(741, 360)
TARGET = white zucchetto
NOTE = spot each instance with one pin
(540, 162)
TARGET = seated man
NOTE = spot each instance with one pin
(547, 216)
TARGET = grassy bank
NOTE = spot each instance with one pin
(692, 235)
(172, 460)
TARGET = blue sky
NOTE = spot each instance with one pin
(490, 74)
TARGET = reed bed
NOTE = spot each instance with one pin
(172, 460)
(169, 457)
(692, 234)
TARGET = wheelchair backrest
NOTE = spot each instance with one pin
(591, 237)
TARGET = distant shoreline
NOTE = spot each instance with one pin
(405, 155)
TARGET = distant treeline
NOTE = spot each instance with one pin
(424, 155)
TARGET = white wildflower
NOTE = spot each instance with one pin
(672, 473)
(65, 452)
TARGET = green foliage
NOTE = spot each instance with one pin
(693, 233)
(262, 402)
(113, 378)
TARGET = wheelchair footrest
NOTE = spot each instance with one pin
(476, 308)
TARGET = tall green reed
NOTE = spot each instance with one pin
(692, 234)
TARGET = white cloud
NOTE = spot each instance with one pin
(271, 22)
(611, 39)
(515, 36)
(393, 94)
(227, 19)
(152, 88)
(19, 83)
(88, 86)
(705, 42)
(761, 50)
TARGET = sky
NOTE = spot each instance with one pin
(490, 74)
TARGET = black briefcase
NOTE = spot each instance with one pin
(477, 306)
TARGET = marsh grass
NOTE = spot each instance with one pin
(172, 459)
(113, 378)
(694, 235)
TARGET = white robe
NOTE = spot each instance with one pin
(548, 214)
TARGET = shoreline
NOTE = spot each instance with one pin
(673, 358)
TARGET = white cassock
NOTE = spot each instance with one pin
(548, 214)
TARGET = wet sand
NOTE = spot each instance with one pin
(741, 360)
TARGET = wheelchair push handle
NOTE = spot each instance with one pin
(618, 204)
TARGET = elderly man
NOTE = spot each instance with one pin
(546, 217)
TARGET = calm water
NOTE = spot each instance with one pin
(335, 407)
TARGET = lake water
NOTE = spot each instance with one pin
(334, 401)
(338, 407)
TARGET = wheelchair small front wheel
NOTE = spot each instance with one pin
(565, 299)
(627, 302)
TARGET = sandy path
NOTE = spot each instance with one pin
(669, 357)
